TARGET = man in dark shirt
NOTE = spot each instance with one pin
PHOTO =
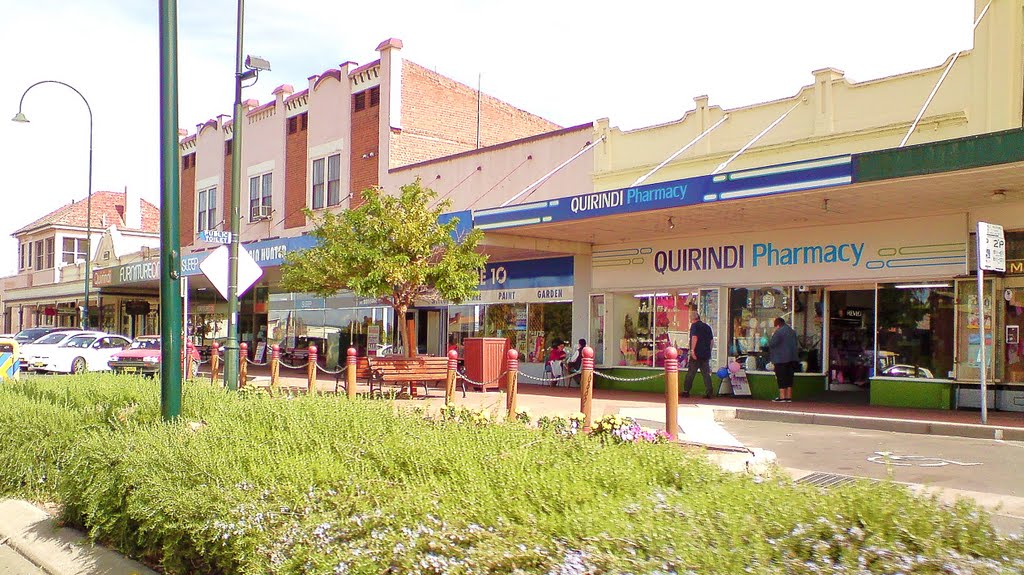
(700, 356)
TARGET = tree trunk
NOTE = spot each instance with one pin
(409, 341)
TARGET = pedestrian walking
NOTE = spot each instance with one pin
(782, 353)
(701, 337)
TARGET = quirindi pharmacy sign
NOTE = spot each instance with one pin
(932, 247)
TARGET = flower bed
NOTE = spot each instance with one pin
(325, 485)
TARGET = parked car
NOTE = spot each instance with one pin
(31, 334)
(901, 370)
(143, 356)
(30, 352)
(79, 353)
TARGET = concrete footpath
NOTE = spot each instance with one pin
(30, 543)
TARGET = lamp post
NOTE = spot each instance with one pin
(20, 117)
(252, 66)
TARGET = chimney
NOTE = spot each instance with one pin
(132, 211)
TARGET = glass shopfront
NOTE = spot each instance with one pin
(752, 313)
(296, 321)
(531, 328)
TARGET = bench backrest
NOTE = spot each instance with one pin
(394, 368)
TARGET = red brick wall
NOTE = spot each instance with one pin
(295, 173)
(365, 139)
(187, 183)
(225, 206)
(439, 118)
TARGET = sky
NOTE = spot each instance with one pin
(638, 63)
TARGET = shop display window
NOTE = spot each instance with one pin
(752, 313)
(651, 323)
(969, 333)
(915, 335)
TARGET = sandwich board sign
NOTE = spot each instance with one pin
(215, 268)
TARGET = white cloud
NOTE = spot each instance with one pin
(571, 61)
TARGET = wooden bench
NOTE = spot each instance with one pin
(422, 369)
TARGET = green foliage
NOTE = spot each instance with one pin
(391, 248)
(324, 485)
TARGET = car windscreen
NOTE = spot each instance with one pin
(145, 344)
(30, 334)
(52, 338)
(80, 341)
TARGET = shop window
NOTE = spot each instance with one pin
(651, 322)
(464, 321)
(915, 330)
(969, 333)
(596, 339)
(752, 313)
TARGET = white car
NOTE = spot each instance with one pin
(74, 352)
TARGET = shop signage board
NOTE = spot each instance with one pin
(143, 271)
(757, 182)
(877, 251)
(524, 281)
(267, 253)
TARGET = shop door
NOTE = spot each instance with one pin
(851, 329)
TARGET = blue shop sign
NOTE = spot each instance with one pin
(756, 182)
(463, 227)
(267, 253)
(545, 273)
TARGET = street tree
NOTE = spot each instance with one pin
(393, 248)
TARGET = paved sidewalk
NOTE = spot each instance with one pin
(34, 545)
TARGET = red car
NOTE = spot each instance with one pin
(143, 356)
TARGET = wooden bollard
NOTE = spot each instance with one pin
(453, 372)
(672, 392)
(243, 364)
(512, 383)
(187, 364)
(214, 363)
(351, 361)
(311, 371)
(275, 367)
(587, 386)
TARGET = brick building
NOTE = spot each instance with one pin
(48, 289)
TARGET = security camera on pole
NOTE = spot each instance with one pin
(252, 67)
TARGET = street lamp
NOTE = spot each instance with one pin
(20, 117)
(252, 67)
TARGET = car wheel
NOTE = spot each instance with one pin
(78, 366)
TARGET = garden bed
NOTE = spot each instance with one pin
(250, 484)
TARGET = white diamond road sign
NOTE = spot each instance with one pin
(215, 267)
(991, 247)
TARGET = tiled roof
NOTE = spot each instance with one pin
(107, 210)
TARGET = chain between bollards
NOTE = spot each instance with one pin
(311, 371)
(587, 386)
(672, 392)
(512, 384)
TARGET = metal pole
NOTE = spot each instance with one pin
(981, 353)
(88, 201)
(170, 202)
(234, 222)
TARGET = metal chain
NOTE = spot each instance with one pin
(551, 379)
(325, 370)
(482, 384)
(300, 366)
(629, 379)
(251, 362)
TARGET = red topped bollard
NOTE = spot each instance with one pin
(311, 371)
(512, 383)
(214, 362)
(672, 392)
(351, 361)
(587, 386)
(275, 367)
(243, 364)
(453, 372)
